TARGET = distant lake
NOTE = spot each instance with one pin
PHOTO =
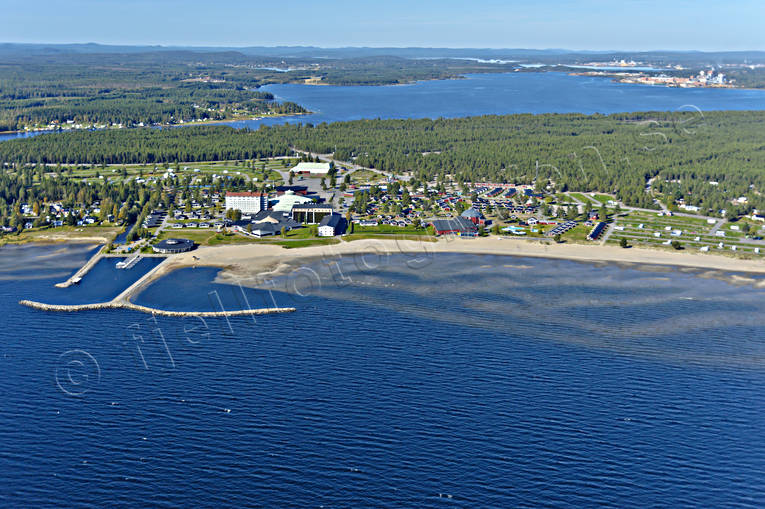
(496, 94)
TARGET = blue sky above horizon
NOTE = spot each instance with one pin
(579, 25)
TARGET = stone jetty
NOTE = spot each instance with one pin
(71, 308)
(122, 301)
(77, 276)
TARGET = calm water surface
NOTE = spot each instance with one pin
(446, 381)
(489, 94)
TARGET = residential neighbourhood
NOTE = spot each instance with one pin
(293, 199)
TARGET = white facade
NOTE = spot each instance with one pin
(248, 203)
(326, 231)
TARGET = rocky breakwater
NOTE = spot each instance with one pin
(71, 308)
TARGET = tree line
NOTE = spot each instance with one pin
(680, 153)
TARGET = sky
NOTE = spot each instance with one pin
(578, 25)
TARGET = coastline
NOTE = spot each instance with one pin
(243, 118)
(250, 264)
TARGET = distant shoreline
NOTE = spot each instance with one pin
(243, 118)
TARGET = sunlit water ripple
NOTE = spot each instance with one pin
(473, 381)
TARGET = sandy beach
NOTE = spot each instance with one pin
(249, 264)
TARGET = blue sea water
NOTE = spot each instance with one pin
(490, 94)
(446, 381)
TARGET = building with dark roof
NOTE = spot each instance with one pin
(331, 225)
(154, 219)
(461, 226)
(474, 216)
(173, 246)
(597, 231)
(310, 213)
(267, 222)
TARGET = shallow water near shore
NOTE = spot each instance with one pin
(497, 381)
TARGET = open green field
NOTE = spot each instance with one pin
(300, 237)
(206, 237)
(95, 234)
(581, 197)
(577, 234)
(294, 244)
(257, 169)
(366, 177)
(640, 228)
(601, 198)
(389, 230)
(402, 236)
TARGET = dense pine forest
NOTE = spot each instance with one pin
(170, 87)
(85, 86)
(678, 153)
(162, 88)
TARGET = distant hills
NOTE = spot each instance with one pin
(555, 55)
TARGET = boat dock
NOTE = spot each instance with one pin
(128, 263)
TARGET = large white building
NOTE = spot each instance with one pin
(289, 199)
(311, 168)
(247, 202)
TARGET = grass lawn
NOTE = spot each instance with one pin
(62, 234)
(579, 196)
(602, 198)
(363, 176)
(577, 234)
(390, 230)
(293, 244)
(299, 233)
(403, 236)
(294, 239)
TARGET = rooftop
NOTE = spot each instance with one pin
(246, 193)
(332, 220)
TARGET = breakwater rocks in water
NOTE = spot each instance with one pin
(63, 308)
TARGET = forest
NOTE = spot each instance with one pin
(170, 87)
(678, 152)
(153, 88)
(110, 86)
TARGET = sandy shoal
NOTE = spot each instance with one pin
(257, 260)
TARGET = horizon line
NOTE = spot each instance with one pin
(310, 46)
